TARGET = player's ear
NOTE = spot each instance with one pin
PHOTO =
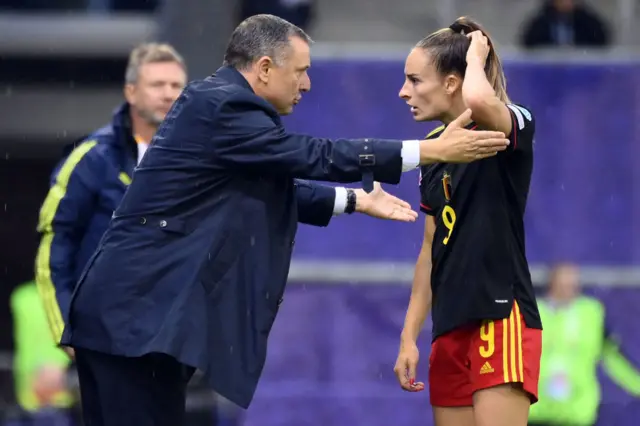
(452, 82)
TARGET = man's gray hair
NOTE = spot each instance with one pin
(258, 36)
(150, 53)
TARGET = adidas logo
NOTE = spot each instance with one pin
(486, 368)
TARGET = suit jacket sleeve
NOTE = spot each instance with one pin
(249, 137)
(63, 219)
(315, 202)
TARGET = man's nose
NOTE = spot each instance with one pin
(305, 84)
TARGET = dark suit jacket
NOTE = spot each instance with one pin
(195, 260)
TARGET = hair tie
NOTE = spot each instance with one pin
(457, 27)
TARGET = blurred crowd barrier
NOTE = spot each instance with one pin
(377, 21)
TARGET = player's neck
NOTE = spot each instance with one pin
(456, 111)
(142, 129)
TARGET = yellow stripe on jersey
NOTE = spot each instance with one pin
(435, 131)
(48, 212)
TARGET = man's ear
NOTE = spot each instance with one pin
(129, 93)
(264, 66)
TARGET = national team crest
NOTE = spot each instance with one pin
(446, 186)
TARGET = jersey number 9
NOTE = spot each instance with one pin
(449, 220)
(488, 336)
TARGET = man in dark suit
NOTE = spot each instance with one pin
(193, 267)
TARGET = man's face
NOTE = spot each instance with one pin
(284, 84)
(565, 282)
(158, 85)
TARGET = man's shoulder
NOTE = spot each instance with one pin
(23, 293)
(96, 145)
(221, 93)
(591, 303)
(92, 151)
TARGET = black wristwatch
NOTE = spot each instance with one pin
(351, 201)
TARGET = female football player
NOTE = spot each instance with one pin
(472, 272)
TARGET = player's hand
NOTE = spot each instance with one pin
(459, 145)
(383, 205)
(406, 366)
(479, 48)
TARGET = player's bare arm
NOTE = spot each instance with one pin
(488, 110)
(419, 307)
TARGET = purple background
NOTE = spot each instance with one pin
(584, 203)
(333, 346)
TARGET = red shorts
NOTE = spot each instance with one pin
(484, 355)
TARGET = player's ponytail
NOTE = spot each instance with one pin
(449, 48)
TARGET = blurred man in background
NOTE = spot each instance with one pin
(575, 340)
(565, 23)
(40, 367)
(88, 184)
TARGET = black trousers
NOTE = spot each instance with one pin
(120, 391)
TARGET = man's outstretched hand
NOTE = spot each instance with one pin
(383, 205)
(459, 145)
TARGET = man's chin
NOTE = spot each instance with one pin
(157, 120)
(286, 111)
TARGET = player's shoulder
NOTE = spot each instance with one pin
(523, 115)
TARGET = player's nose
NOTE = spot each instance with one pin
(404, 92)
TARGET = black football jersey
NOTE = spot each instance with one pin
(479, 265)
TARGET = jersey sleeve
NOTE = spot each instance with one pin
(523, 129)
(423, 184)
